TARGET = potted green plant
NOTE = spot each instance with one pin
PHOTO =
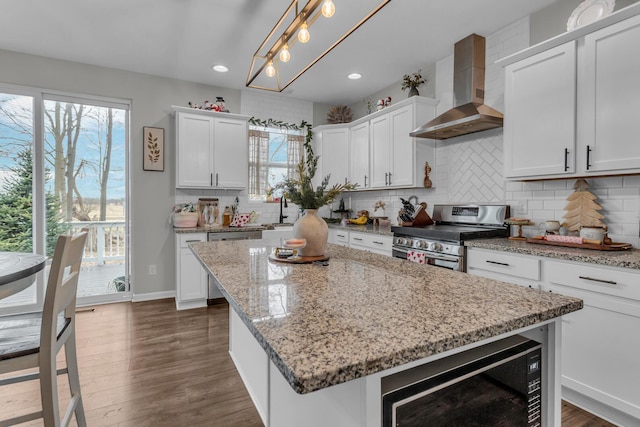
(413, 82)
(300, 191)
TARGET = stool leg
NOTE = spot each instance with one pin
(49, 390)
(74, 378)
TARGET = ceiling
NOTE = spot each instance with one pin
(183, 39)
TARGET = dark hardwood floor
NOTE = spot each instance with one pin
(146, 364)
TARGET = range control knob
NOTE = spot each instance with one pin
(408, 242)
(435, 247)
(423, 244)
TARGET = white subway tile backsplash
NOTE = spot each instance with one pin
(631, 181)
(533, 185)
(555, 185)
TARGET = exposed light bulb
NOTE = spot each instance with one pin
(303, 33)
(285, 56)
(328, 8)
(270, 71)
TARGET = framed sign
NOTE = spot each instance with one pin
(153, 149)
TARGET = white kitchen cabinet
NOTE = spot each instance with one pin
(571, 108)
(599, 343)
(334, 153)
(611, 101)
(540, 103)
(514, 268)
(211, 149)
(191, 277)
(375, 243)
(397, 159)
(359, 155)
(338, 237)
(376, 151)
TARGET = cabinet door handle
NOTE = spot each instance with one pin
(216, 179)
(365, 180)
(498, 263)
(389, 178)
(210, 180)
(588, 157)
(386, 178)
(566, 159)
(608, 282)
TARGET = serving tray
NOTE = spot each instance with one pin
(610, 247)
(301, 260)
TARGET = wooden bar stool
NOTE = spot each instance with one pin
(33, 340)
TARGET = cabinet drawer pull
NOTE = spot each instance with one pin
(193, 241)
(588, 157)
(566, 159)
(340, 235)
(498, 263)
(608, 282)
(358, 239)
(378, 243)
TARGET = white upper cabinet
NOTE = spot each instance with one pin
(539, 126)
(359, 172)
(334, 153)
(611, 99)
(379, 153)
(572, 103)
(211, 149)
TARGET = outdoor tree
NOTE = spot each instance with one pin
(16, 210)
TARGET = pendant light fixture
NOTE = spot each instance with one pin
(328, 8)
(275, 50)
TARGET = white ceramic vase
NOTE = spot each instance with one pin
(315, 230)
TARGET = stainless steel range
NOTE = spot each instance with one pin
(442, 244)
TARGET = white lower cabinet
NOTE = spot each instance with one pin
(376, 243)
(600, 343)
(339, 237)
(191, 278)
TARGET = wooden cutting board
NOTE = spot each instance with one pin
(611, 247)
(301, 260)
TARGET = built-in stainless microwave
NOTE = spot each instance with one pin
(498, 384)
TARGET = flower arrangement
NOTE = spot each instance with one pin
(413, 81)
(300, 190)
(379, 205)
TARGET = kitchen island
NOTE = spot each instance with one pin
(312, 342)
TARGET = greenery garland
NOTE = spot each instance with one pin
(280, 124)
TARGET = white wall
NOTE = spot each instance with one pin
(152, 193)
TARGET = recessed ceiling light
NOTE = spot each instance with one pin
(354, 76)
(220, 68)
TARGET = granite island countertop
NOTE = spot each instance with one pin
(625, 259)
(364, 313)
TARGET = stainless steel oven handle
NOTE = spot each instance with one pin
(431, 256)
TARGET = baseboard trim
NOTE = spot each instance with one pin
(153, 296)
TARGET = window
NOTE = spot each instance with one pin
(274, 155)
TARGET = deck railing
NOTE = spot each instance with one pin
(105, 242)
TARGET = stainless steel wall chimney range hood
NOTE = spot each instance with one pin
(469, 113)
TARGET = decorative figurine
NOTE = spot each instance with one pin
(427, 170)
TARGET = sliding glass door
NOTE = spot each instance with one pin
(63, 168)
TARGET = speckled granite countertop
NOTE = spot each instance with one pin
(364, 313)
(184, 230)
(626, 259)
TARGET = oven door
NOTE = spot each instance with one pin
(452, 262)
